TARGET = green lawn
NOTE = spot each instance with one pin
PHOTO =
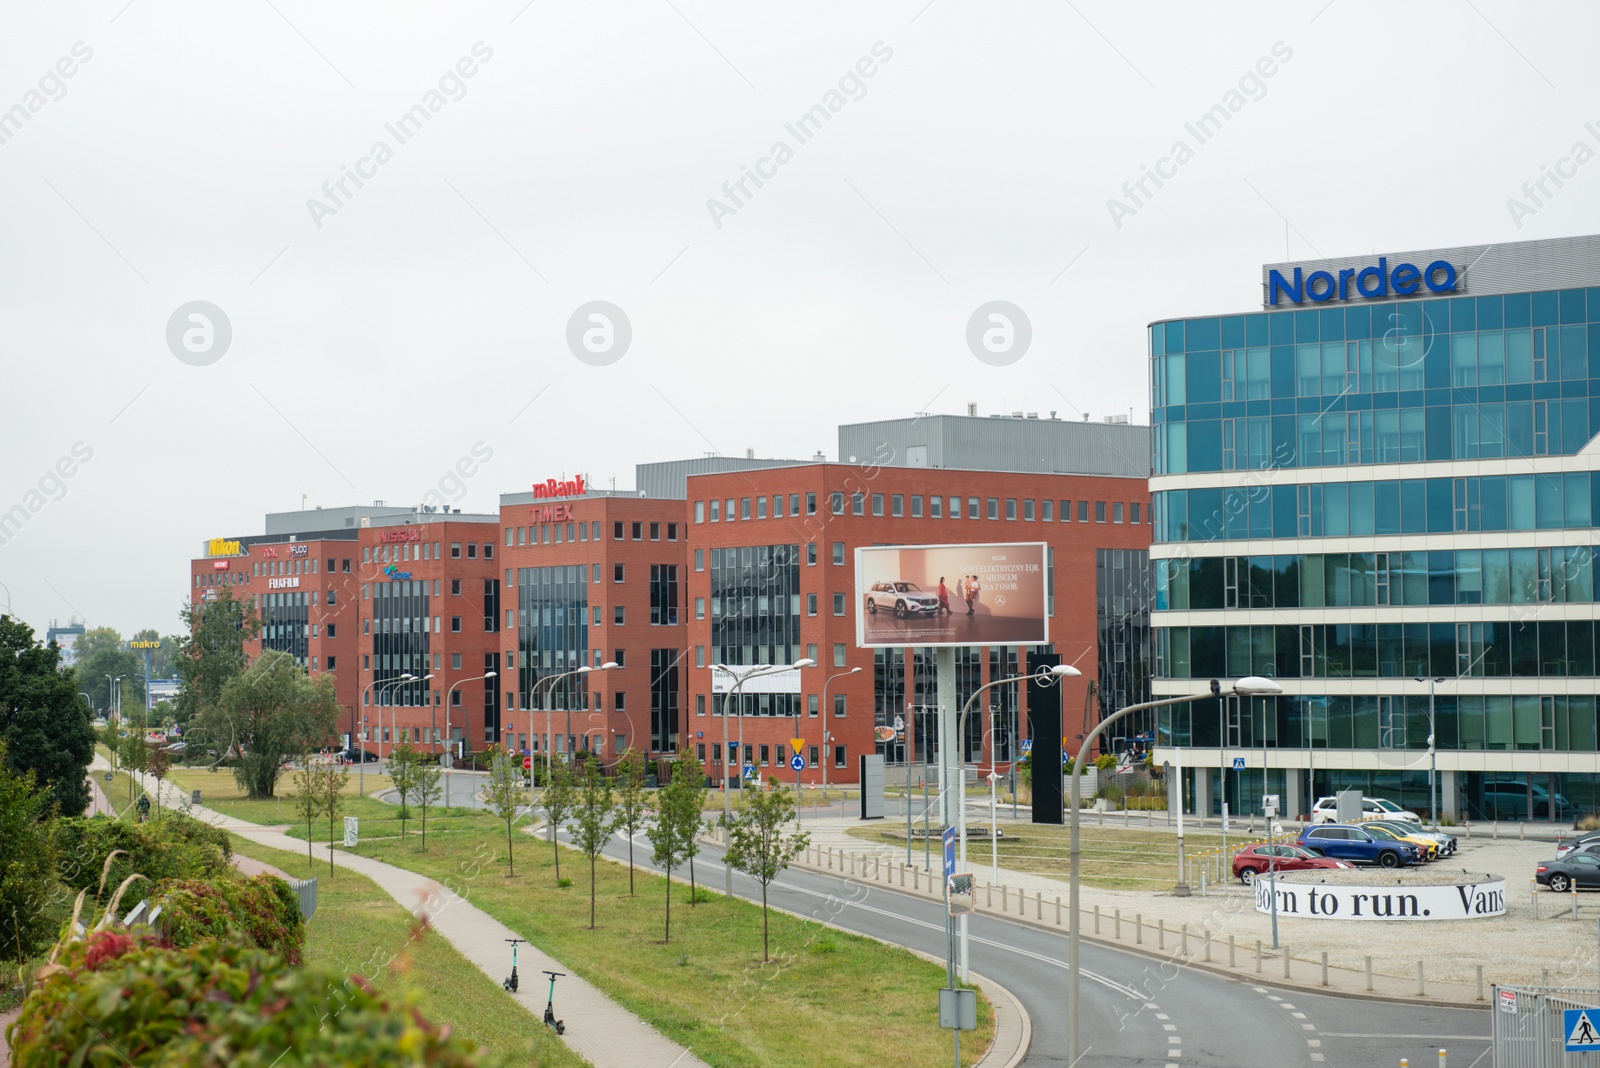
(826, 1000)
(358, 928)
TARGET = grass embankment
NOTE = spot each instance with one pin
(359, 929)
(826, 1000)
(1113, 858)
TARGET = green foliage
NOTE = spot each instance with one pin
(673, 831)
(42, 719)
(179, 847)
(101, 652)
(686, 796)
(134, 752)
(759, 845)
(27, 864)
(633, 804)
(591, 828)
(504, 795)
(270, 713)
(218, 1004)
(1106, 761)
(210, 653)
(262, 908)
(404, 767)
(428, 774)
(557, 801)
(332, 779)
(308, 800)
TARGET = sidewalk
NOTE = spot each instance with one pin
(597, 1027)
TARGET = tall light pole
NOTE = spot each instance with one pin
(357, 744)
(738, 689)
(822, 710)
(1046, 676)
(549, 713)
(1249, 686)
(447, 739)
(1433, 756)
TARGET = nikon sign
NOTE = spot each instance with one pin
(1466, 900)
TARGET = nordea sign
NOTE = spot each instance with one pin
(1349, 901)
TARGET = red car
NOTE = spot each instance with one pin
(1259, 858)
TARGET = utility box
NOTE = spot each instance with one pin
(958, 1009)
(1349, 806)
(872, 787)
(350, 832)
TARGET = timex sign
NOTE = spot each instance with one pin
(1371, 282)
(555, 513)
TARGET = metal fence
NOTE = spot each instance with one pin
(306, 891)
(1528, 1027)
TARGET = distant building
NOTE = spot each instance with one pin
(67, 638)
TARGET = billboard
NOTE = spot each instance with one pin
(724, 678)
(985, 594)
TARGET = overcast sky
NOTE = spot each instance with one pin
(380, 331)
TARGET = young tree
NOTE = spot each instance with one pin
(404, 767)
(557, 802)
(505, 795)
(308, 800)
(334, 778)
(28, 857)
(686, 795)
(427, 792)
(632, 804)
(592, 829)
(671, 833)
(211, 652)
(158, 763)
(272, 712)
(134, 753)
(759, 846)
(42, 718)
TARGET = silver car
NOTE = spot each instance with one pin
(903, 598)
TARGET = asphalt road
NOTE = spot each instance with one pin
(1136, 1010)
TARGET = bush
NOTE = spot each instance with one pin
(262, 909)
(1587, 823)
(215, 1005)
(175, 847)
(1106, 761)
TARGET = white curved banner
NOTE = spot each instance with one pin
(1323, 901)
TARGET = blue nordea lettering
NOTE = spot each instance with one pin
(1372, 282)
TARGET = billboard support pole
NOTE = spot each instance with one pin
(949, 764)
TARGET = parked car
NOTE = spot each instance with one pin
(1583, 841)
(903, 598)
(1348, 841)
(1326, 810)
(1447, 843)
(1430, 850)
(1509, 799)
(1582, 869)
(357, 756)
(1258, 859)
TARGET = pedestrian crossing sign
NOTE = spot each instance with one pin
(1582, 1028)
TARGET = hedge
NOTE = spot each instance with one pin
(262, 909)
(173, 847)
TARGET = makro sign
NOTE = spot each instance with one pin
(1373, 282)
(553, 488)
(1324, 901)
(223, 547)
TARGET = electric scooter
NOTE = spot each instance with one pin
(511, 983)
(559, 1026)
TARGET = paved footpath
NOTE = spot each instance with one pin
(597, 1028)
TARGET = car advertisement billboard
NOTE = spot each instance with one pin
(988, 594)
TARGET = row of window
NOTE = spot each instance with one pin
(894, 505)
(423, 550)
(1552, 501)
(1555, 575)
(557, 533)
(1473, 722)
(841, 755)
(1479, 430)
(1487, 649)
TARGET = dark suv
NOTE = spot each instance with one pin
(1345, 841)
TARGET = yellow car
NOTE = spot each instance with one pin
(1427, 846)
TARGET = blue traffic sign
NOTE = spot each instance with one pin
(1582, 1028)
(749, 771)
(1238, 763)
(1027, 745)
(949, 852)
(797, 762)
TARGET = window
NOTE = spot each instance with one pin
(333, 630)
(455, 701)
(618, 571)
(1133, 510)
(1066, 511)
(838, 503)
(619, 701)
(638, 531)
(811, 553)
(333, 597)
(838, 553)
(811, 604)
(699, 511)
(877, 504)
(619, 615)
(455, 587)
(472, 550)
(813, 761)
(597, 615)
(1116, 511)
(672, 532)
(935, 507)
(811, 705)
(699, 656)
(583, 531)
(811, 651)
(366, 665)
(455, 661)
(794, 504)
(838, 654)
(916, 506)
(744, 507)
(699, 608)
(699, 559)
(344, 566)
(621, 658)
(761, 507)
(994, 508)
(594, 574)
(1027, 511)
(455, 550)
(1099, 511)
(616, 529)
(700, 710)
(838, 756)
(333, 663)
(838, 604)
(766, 753)
(488, 550)
(858, 504)
(811, 504)
(838, 706)
(663, 595)
(897, 505)
(655, 531)
(1011, 508)
(455, 624)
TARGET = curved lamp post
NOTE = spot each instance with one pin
(1249, 686)
(822, 711)
(738, 688)
(447, 739)
(549, 713)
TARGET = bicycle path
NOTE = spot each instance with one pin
(598, 1028)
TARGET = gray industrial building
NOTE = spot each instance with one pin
(1018, 441)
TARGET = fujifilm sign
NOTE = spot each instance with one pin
(1372, 282)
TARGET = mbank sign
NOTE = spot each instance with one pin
(1371, 282)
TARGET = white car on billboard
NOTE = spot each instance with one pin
(902, 598)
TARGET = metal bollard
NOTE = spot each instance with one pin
(1003, 899)
(830, 859)
(1161, 936)
(1287, 958)
(1480, 983)
(1369, 974)
(988, 896)
(1574, 899)
(1258, 956)
(1058, 913)
(1119, 925)
(1441, 1058)
(1202, 884)
(916, 878)
(902, 875)
(1138, 928)
(1206, 936)
(1324, 967)
(1233, 960)
(1097, 919)
(1422, 991)
(1533, 887)
(1185, 941)
(1022, 901)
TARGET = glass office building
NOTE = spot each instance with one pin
(1382, 490)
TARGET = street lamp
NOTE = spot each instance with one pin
(549, 713)
(738, 688)
(1433, 755)
(1249, 686)
(822, 710)
(1045, 676)
(607, 666)
(447, 738)
(355, 743)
